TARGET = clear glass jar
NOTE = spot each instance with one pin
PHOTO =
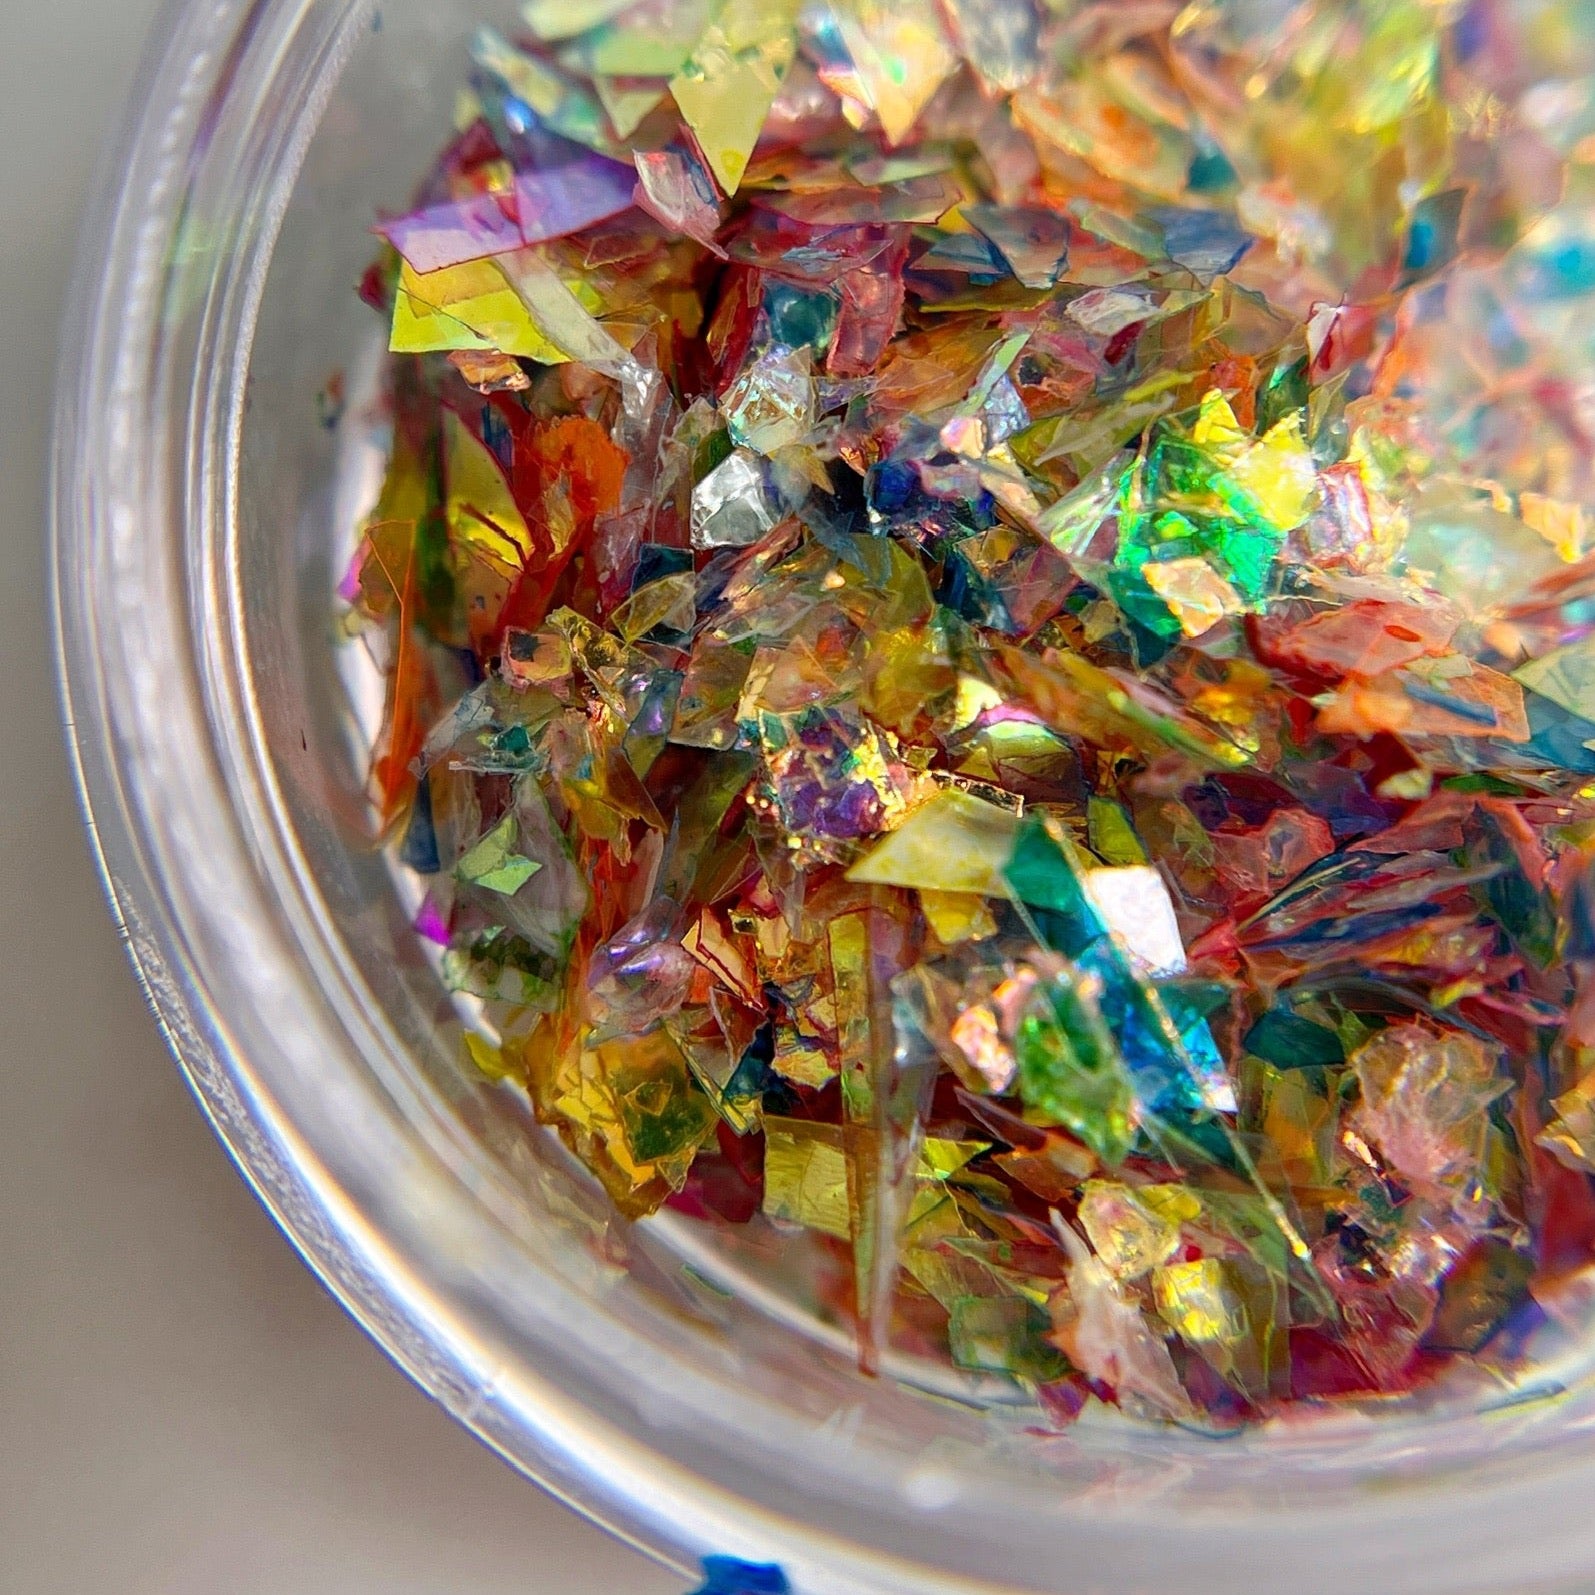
(201, 505)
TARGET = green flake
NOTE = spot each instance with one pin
(501, 967)
(1003, 1334)
(1189, 501)
(493, 864)
(1110, 834)
(1070, 1070)
(665, 1118)
(1044, 876)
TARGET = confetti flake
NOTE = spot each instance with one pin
(541, 206)
(466, 307)
(727, 86)
(901, 55)
(955, 843)
(732, 506)
(1134, 904)
(1034, 243)
(494, 865)
(1197, 596)
(805, 1176)
(1001, 40)
(770, 407)
(672, 187)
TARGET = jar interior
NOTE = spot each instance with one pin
(310, 453)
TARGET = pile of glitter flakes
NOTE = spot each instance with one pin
(990, 640)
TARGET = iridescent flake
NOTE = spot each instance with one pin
(732, 506)
(771, 405)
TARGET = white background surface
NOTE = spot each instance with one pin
(182, 1410)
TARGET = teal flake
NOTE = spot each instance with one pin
(1137, 602)
(1044, 877)
(798, 318)
(1288, 1041)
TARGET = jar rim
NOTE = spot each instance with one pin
(149, 420)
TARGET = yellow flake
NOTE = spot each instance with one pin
(1216, 428)
(727, 86)
(665, 602)
(1299, 1122)
(974, 697)
(901, 54)
(1409, 785)
(1129, 1236)
(805, 1175)
(1279, 474)
(482, 513)
(627, 102)
(848, 937)
(947, 1276)
(801, 1059)
(468, 307)
(940, 1158)
(628, 1108)
(1560, 523)
(1172, 1203)
(488, 1059)
(957, 916)
(1196, 1301)
(953, 843)
(1571, 1134)
(565, 19)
